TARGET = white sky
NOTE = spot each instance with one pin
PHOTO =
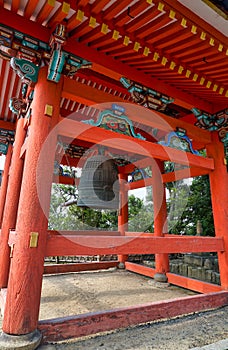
(2, 162)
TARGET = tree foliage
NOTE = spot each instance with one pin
(72, 217)
(189, 204)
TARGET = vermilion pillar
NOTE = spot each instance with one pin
(12, 200)
(123, 213)
(160, 219)
(25, 278)
(219, 198)
(4, 183)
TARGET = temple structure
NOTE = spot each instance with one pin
(143, 81)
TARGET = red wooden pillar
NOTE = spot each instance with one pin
(123, 214)
(12, 199)
(160, 219)
(4, 183)
(26, 270)
(219, 198)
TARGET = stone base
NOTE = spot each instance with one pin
(160, 277)
(121, 265)
(28, 341)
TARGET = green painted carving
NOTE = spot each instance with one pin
(26, 70)
(145, 96)
(115, 120)
(211, 122)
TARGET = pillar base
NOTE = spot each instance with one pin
(121, 265)
(28, 341)
(160, 277)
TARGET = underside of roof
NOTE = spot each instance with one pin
(159, 45)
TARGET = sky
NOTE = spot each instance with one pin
(2, 162)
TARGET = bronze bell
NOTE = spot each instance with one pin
(99, 187)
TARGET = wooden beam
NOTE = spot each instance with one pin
(139, 184)
(66, 268)
(83, 233)
(140, 269)
(77, 130)
(181, 281)
(7, 125)
(184, 174)
(59, 245)
(101, 100)
(91, 323)
(85, 94)
(192, 284)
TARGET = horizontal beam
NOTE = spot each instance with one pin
(180, 281)
(59, 245)
(85, 94)
(83, 233)
(7, 125)
(140, 269)
(78, 130)
(101, 100)
(66, 268)
(192, 284)
(60, 329)
(183, 174)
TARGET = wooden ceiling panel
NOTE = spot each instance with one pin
(156, 43)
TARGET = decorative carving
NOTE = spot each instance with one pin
(211, 122)
(61, 61)
(17, 106)
(21, 106)
(145, 96)
(27, 71)
(115, 120)
(6, 137)
(223, 135)
(179, 140)
(138, 174)
(18, 45)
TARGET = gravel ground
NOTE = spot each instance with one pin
(70, 294)
(183, 333)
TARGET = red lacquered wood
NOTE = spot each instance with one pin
(26, 272)
(123, 212)
(5, 180)
(192, 284)
(79, 267)
(160, 215)
(94, 322)
(11, 204)
(58, 245)
(140, 269)
(219, 198)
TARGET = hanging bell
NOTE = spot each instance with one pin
(98, 186)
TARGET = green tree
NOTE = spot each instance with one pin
(72, 217)
(198, 207)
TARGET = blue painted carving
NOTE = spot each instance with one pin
(139, 174)
(6, 138)
(26, 70)
(146, 96)
(179, 140)
(114, 119)
(223, 135)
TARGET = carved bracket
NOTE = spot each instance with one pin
(145, 96)
(211, 122)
